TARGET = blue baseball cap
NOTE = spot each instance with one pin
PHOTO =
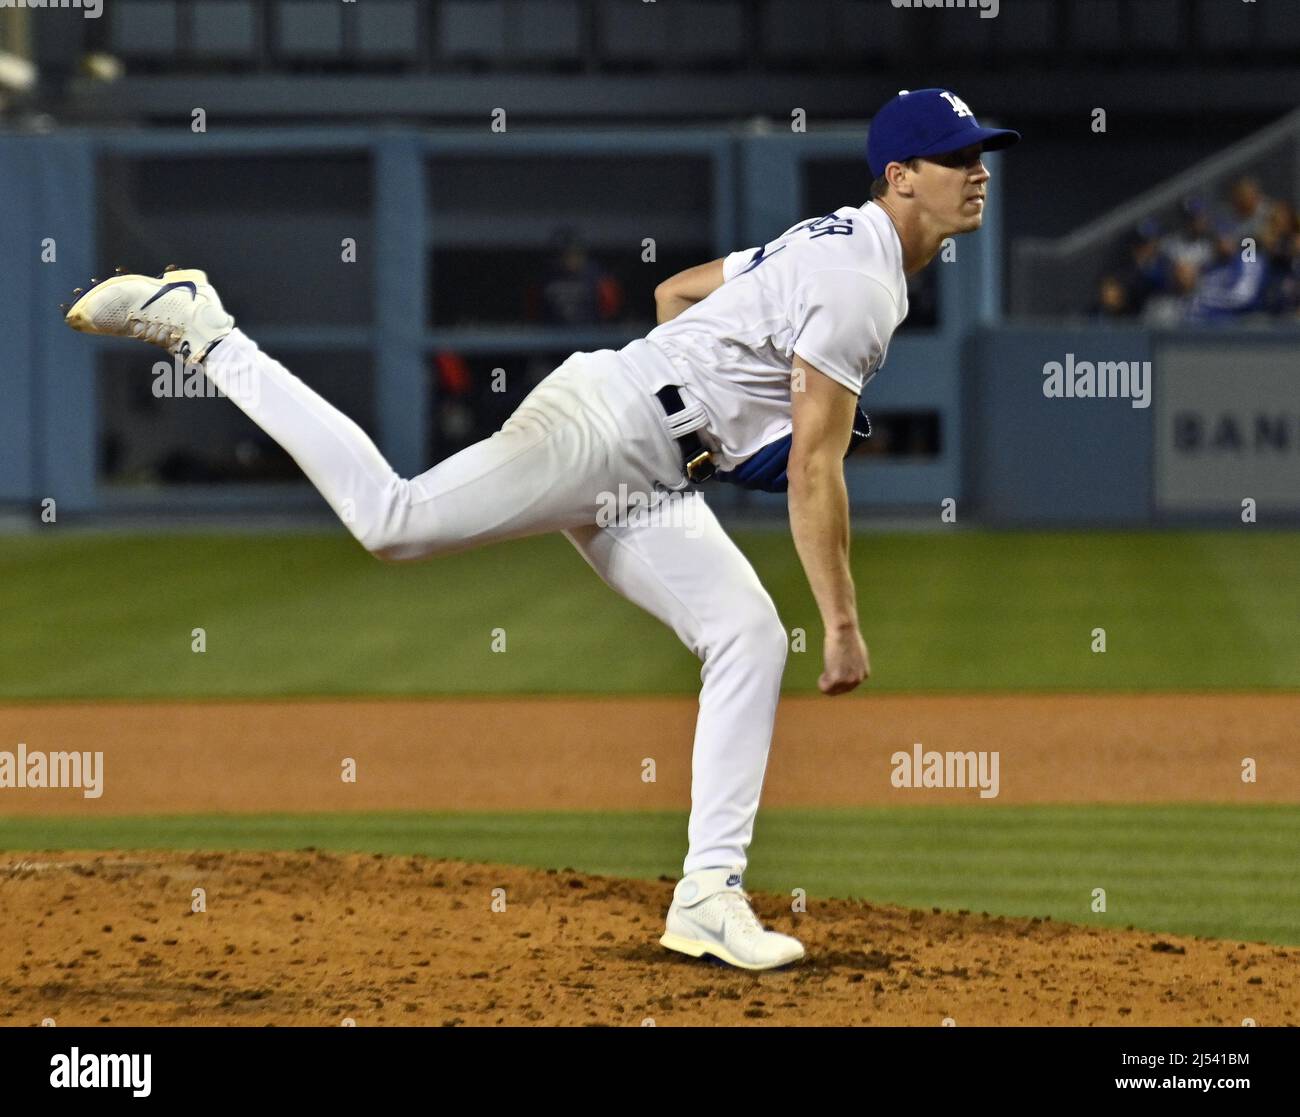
(927, 122)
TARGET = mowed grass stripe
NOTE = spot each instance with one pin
(91, 616)
(1194, 870)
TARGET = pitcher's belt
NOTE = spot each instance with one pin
(697, 459)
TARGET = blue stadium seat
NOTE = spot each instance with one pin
(388, 29)
(223, 28)
(1094, 25)
(306, 29)
(143, 28)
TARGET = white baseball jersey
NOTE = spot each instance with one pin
(831, 290)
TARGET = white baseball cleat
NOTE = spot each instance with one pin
(178, 310)
(710, 914)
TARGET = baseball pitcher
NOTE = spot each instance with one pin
(752, 377)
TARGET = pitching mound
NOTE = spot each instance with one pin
(313, 938)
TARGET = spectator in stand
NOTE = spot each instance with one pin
(577, 291)
(1173, 307)
(1251, 210)
(1145, 272)
(1246, 263)
(1194, 241)
(1234, 286)
(1278, 247)
(454, 416)
(1112, 300)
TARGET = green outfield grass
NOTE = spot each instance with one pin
(111, 616)
(1221, 871)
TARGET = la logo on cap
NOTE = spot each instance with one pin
(958, 105)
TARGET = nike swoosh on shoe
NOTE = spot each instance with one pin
(194, 291)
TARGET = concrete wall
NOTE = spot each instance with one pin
(1222, 427)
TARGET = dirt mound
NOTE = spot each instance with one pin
(312, 938)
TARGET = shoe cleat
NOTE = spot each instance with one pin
(183, 316)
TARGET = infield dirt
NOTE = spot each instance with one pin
(523, 753)
(312, 938)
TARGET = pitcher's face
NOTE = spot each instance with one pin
(951, 188)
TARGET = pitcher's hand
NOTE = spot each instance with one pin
(847, 662)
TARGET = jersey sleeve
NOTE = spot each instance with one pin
(736, 262)
(842, 322)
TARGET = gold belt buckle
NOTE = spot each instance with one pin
(706, 458)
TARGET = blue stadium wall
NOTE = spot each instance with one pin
(1223, 426)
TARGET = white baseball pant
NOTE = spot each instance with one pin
(583, 432)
